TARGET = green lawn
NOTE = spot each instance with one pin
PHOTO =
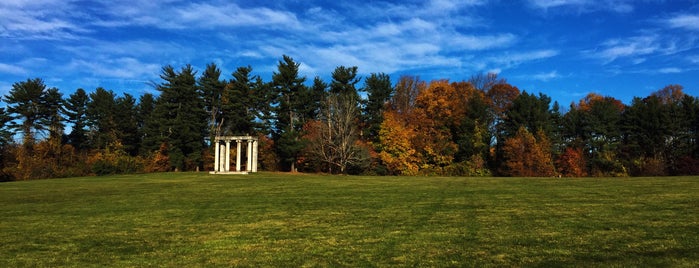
(196, 219)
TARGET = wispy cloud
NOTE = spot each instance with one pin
(684, 21)
(670, 70)
(12, 69)
(510, 60)
(635, 47)
(583, 6)
(546, 76)
(42, 20)
(126, 68)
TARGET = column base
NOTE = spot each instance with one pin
(229, 172)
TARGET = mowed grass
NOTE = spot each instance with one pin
(196, 219)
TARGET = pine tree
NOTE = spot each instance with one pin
(24, 102)
(147, 125)
(239, 103)
(212, 88)
(76, 111)
(379, 91)
(52, 109)
(289, 90)
(126, 119)
(101, 111)
(179, 118)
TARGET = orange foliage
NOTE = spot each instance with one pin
(528, 156)
(159, 161)
(397, 151)
(441, 103)
(586, 103)
(501, 96)
(572, 163)
(669, 94)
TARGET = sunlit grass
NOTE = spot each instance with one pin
(196, 219)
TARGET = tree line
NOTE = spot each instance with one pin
(480, 127)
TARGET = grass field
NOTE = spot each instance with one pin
(196, 219)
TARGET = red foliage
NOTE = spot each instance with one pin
(572, 163)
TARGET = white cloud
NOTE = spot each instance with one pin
(685, 21)
(546, 76)
(194, 15)
(546, 4)
(12, 69)
(583, 6)
(631, 47)
(122, 68)
(510, 60)
(670, 70)
(22, 20)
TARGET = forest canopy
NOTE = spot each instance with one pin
(483, 126)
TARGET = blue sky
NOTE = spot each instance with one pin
(562, 48)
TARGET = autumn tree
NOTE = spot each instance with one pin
(527, 156)
(485, 82)
(572, 163)
(406, 92)
(396, 149)
(334, 138)
(500, 98)
(438, 110)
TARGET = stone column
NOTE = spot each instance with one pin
(237, 156)
(222, 158)
(216, 156)
(248, 167)
(228, 155)
(254, 156)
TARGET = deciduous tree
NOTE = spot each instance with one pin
(527, 156)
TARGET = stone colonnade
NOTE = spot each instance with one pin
(222, 154)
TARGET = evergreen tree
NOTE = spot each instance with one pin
(52, 108)
(379, 90)
(595, 125)
(5, 133)
(212, 89)
(5, 141)
(531, 112)
(344, 81)
(76, 111)
(473, 136)
(25, 102)
(239, 103)
(126, 121)
(316, 95)
(180, 118)
(101, 111)
(289, 90)
(148, 131)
